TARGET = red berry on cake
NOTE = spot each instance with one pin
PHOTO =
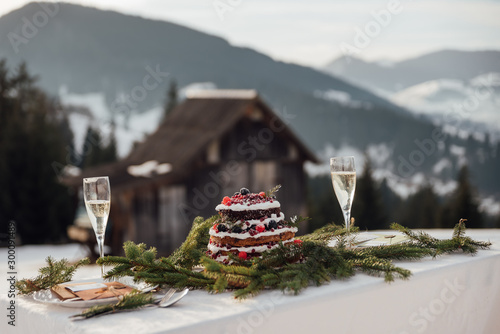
(262, 194)
(226, 200)
(260, 228)
(242, 255)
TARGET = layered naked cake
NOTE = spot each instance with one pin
(250, 225)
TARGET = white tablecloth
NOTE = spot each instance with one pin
(451, 294)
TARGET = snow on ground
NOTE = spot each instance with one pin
(459, 152)
(128, 129)
(490, 206)
(138, 127)
(342, 98)
(95, 102)
(463, 107)
(441, 165)
(329, 152)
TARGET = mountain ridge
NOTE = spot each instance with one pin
(447, 64)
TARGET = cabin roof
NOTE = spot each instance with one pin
(186, 134)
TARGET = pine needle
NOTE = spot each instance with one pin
(56, 272)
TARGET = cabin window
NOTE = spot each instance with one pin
(213, 152)
(293, 154)
(264, 175)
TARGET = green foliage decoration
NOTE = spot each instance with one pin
(54, 273)
(289, 268)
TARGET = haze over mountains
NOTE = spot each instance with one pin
(99, 58)
(434, 85)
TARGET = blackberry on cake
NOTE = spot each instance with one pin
(250, 224)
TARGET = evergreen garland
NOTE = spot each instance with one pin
(289, 268)
(55, 273)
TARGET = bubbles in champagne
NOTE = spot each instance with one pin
(344, 184)
(99, 208)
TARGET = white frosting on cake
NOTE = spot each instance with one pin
(247, 249)
(247, 235)
(248, 207)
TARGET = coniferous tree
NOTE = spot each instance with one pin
(422, 209)
(92, 151)
(31, 142)
(171, 100)
(322, 204)
(391, 201)
(109, 153)
(68, 138)
(367, 208)
(463, 203)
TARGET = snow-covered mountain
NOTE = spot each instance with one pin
(462, 106)
(444, 86)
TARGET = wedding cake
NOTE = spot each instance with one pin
(250, 224)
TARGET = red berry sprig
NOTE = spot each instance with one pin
(243, 255)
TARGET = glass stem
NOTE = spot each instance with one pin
(347, 219)
(100, 244)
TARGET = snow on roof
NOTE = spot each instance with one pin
(222, 94)
(149, 168)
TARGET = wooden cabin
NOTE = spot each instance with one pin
(211, 145)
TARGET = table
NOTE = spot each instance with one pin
(455, 293)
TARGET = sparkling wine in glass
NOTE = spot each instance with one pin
(97, 197)
(344, 184)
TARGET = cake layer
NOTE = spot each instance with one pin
(246, 239)
(248, 215)
(248, 249)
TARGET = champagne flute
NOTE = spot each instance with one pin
(97, 197)
(344, 184)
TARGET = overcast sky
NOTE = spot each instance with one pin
(313, 32)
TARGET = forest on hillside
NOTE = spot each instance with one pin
(376, 205)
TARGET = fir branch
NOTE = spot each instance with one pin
(329, 232)
(189, 253)
(133, 300)
(459, 229)
(458, 241)
(54, 273)
(274, 190)
(420, 238)
(404, 251)
(296, 220)
(375, 266)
